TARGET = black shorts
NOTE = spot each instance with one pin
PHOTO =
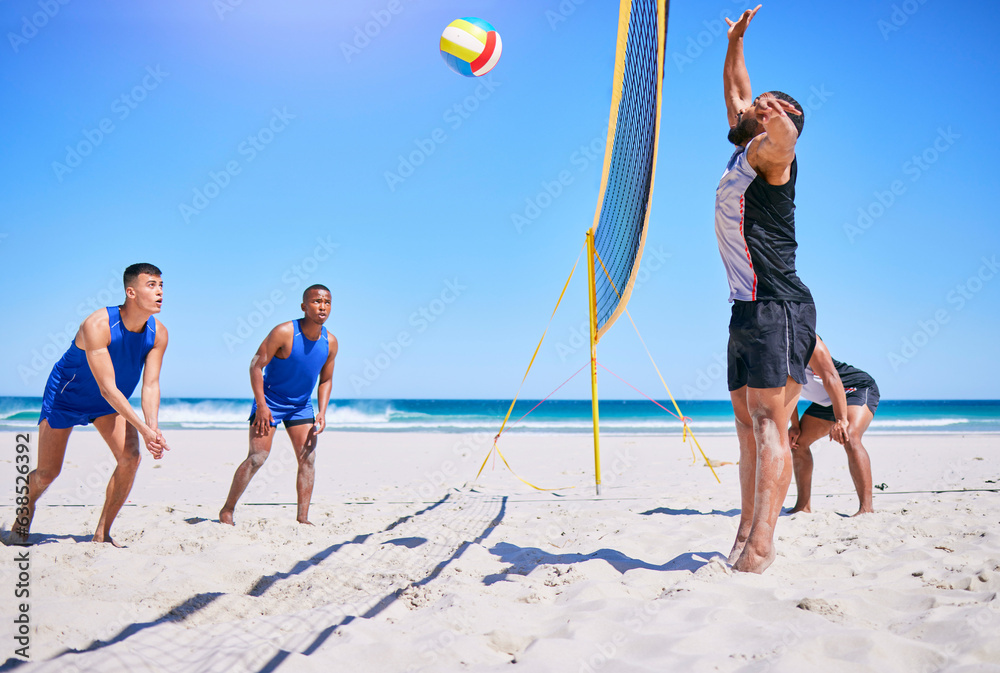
(770, 341)
(288, 423)
(856, 397)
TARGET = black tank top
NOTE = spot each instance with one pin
(769, 228)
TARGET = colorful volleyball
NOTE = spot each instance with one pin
(470, 46)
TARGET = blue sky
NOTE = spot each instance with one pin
(250, 148)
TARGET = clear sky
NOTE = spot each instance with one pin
(251, 147)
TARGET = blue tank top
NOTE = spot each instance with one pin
(290, 381)
(77, 387)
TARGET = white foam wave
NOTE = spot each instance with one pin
(918, 422)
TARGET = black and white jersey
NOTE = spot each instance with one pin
(851, 377)
(755, 227)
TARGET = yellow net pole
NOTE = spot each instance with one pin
(592, 294)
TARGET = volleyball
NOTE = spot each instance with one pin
(470, 46)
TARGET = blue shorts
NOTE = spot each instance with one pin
(289, 415)
(65, 404)
(63, 418)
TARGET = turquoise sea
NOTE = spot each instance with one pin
(617, 416)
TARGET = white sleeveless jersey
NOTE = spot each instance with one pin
(813, 389)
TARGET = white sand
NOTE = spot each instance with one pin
(412, 568)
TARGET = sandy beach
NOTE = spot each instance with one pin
(413, 566)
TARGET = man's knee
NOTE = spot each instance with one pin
(854, 444)
(130, 456)
(257, 458)
(46, 475)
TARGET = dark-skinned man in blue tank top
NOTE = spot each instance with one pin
(772, 331)
(92, 382)
(283, 374)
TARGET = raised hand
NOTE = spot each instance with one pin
(738, 28)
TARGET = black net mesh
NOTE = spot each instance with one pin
(622, 221)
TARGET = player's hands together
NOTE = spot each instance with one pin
(838, 432)
(155, 443)
(739, 27)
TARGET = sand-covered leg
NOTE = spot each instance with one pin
(770, 409)
(51, 452)
(123, 440)
(304, 442)
(812, 429)
(748, 470)
(260, 449)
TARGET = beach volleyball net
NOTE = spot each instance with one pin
(623, 205)
(615, 241)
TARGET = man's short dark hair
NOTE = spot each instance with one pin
(800, 119)
(133, 271)
(317, 286)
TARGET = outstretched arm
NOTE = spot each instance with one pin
(822, 364)
(735, 78)
(326, 384)
(151, 386)
(95, 334)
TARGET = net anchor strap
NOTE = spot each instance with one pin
(523, 379)
(687, 428)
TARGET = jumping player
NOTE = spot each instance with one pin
(856, 394)
(92, 382)
(283, 374)
(772, 330)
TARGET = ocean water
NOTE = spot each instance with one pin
(617, 416)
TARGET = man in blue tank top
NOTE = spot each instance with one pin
(91, 383)
(772, 329)
(283, 374)
(842, 396)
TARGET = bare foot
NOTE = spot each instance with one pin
(306, 521)
(18, 537)
(226, 516)
(106, 539)
(864, 510)
(751, 561)
(806, 508)
(737, 550)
